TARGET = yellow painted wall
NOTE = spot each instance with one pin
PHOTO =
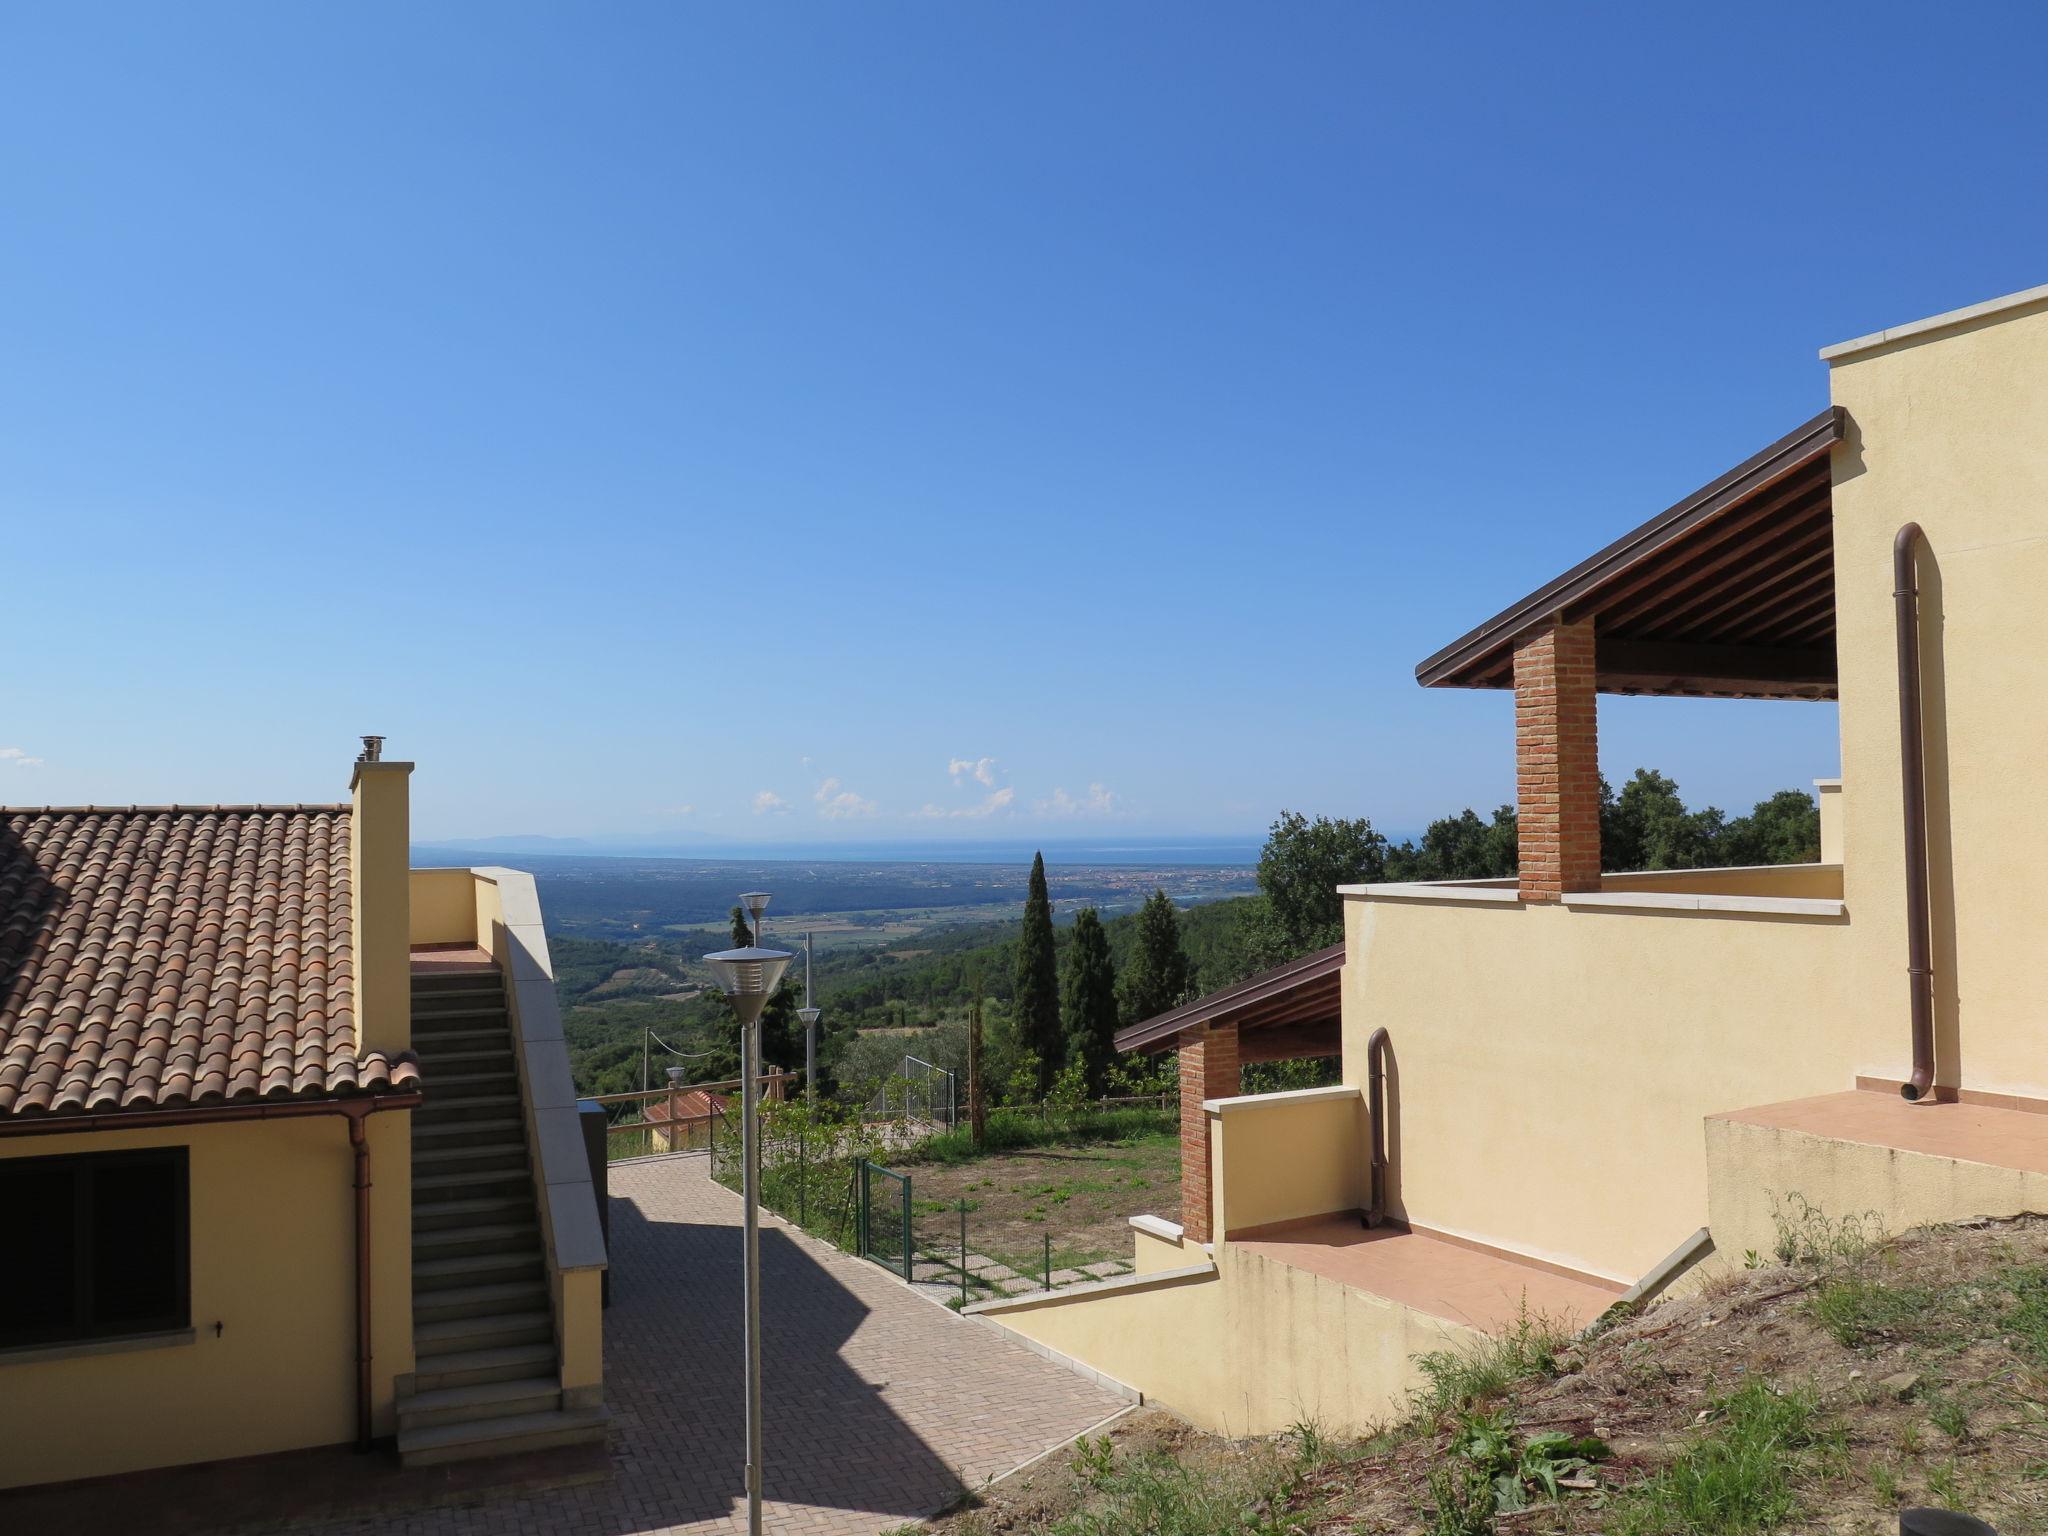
(272, 1262)
(1279, 1156)
(1251, 1349)
(444, 906)
(1750, 1164)
(1947, 431)
(1803, 881)
(1550, 1067)
(381, 880)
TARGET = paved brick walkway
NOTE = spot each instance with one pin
(881, 1405)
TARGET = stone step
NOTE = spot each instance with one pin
(465, 1133)
(466, 1182)
(473, 1367)
(507, 1154)
(470, 1056)
(485, 1331)
(494, 1080)
(477, 1301)
(470, 1037)
(452, 1017)
(501, 1437)
(460, 1210)
(503, 1265)
(479, 1401)
(480, 1237)
(457, 981)
(439, 1109)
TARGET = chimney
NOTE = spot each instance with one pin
(380, 884)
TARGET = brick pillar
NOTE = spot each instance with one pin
(1557, 762)
(1208, 1070)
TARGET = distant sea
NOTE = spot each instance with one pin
(1228, 851)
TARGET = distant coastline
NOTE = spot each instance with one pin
(1228, 852)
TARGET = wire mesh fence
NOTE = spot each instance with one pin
(923, 1096)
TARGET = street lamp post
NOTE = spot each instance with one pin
(748, 977)
(809, 1015)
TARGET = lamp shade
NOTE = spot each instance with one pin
(809, 1015)
(756, 903)
(748, 976)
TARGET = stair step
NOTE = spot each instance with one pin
(480, 1401)
(478, 1300)
(463, 1211)
(438, 1134)
(464, 1133)
(479, 1009)
(486, 1331)
(441, 1108)
(472, 1057)
(443, 1040)
(466, 1180)
(473, 1367)
(504, 1265)
(501, 1437)
(494, 1162)
(491, 1080)
(480, 1237)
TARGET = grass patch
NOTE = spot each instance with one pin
(1456, 1379)
(1161, 1494)
(1741, 1475)
(1859, 1309)
(1012, 1130)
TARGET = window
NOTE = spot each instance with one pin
(97, 1246)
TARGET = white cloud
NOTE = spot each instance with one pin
(995, 800)
(1099, 801)
(980, 769)
(677, 810)
(767, 801)
(837, 803)
(19, 758)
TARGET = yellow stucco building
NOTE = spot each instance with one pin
(1593, 1084)
(287, 1145)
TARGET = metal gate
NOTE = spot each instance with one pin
(884, 1229)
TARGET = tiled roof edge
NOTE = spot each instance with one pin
(170, 810)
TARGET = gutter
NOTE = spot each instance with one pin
(357, 1110)
(1913, 787)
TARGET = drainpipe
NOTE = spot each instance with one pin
(358, 1112)
(1376, 1114)
(1913, 783)
(359, 1143)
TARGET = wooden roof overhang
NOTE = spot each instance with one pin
(1291, 1010)
(1728, 594)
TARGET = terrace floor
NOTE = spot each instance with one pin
(1969, 1132)
(881, 1406)
(1437, 1275)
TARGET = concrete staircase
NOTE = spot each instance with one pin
(487, 1380)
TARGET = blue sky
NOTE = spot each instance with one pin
(844, 422)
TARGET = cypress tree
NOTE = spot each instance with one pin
(1159, 978)
(1090, 999)
(742, 930)
(1038, 981)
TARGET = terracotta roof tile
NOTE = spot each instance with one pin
(155, 957)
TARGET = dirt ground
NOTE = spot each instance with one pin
(1924, 1360)
(1085, 1196)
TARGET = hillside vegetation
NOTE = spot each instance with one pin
(921, 988)
(1822, 1391)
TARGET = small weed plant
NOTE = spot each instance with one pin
(1807, 1235)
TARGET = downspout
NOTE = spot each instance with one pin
(1376, 1115)
(1913, 783)
(359, 1143)
(358, 1112)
